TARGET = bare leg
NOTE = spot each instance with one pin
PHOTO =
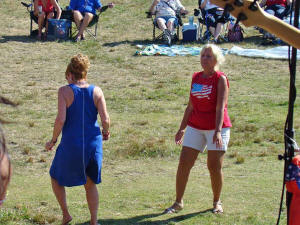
(86, 20)
(218, 30)
(41, 19)
(92, 198)
(161, 23)
(50, 16)
(77, 18)
(170, 26)
(60, 195)
(187, 159)
(212, 30)
(214, 165)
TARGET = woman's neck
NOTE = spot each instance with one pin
(81, 82)
(208, 73)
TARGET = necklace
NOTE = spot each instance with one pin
(80, 82)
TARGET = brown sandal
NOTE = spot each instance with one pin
(176, 207)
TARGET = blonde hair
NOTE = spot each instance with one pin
(78, 66)
(216, 51)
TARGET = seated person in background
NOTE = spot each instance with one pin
(278, 8)
(44, 9)
(83, 13)
(213, 19)
(165, 16)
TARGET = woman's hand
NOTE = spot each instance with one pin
(111, 5)
(49, 145)
(178, 137)
(105, 135)
(217, 139)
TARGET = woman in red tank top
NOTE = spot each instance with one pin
(205, 125)
(44, 10)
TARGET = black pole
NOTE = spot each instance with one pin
(292, 97)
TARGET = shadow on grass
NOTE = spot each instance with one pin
(17, 38)
(139, 219)
(24, 39)
(257, 40)
(129, 42)
(260, 41)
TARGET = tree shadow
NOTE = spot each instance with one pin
(139, 219)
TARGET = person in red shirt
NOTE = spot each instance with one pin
(44, 10)
(205, 125)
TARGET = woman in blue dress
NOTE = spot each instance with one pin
(78, 157)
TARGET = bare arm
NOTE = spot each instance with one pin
(104, 8)
(57, 8)
(35, 8)
(60, 118)
(186, 115)
(152, 7)
(183, 11)
(221, 102)
(101, 107)
(203, 4)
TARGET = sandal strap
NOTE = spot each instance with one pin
(217, 207)
(176, 207)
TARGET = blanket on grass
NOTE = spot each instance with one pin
(167, 50)
(280, 52)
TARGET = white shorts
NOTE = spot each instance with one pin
(202, 139)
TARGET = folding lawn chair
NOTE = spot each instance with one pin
(201, 23)
(160, 36)
(33, 18)
(93, 25)
(202, 16)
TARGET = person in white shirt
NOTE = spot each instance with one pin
(165, 16)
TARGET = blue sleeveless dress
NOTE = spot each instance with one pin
(79, 153)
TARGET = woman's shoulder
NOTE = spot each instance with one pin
(97, 91)
(65, 88)
(196, 77)
(220, 74)
(196, 74)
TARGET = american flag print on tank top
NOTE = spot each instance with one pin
(201, 91)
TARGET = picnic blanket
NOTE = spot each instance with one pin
(167, 50)
(280, 52)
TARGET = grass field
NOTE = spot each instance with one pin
(146, 97)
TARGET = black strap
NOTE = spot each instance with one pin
(289, 131)
(104, 8)
(170, 6)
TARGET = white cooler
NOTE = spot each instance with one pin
(190, 30)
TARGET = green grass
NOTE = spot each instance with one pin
(146, 98)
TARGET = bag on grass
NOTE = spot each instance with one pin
(59, 29)
(235, 33)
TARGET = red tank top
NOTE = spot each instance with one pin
(48, 8)
(203, 96)
(276, 2)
